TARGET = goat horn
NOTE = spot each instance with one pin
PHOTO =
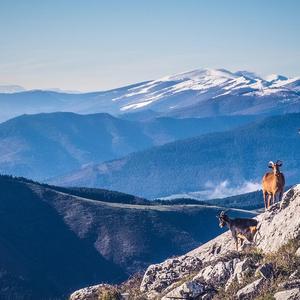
(219, 214)
(224, 212)
(278, 162)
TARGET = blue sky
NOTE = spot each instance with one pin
(96, 45)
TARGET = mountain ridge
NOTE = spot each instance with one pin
(199, 93)
(48, 145)
(267, 268)
(79, 237)
(172, 168)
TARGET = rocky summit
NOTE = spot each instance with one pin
(267, 269)
(219, 265)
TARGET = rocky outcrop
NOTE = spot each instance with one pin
(190, 289)
(170, 271)
(215, 268)
(88, 293)
(250, 289)
(242, 269)
(216, 264)
(293, 294)
(97, 292)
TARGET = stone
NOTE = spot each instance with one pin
(88, 293)
(250, 289)
(241, 269)
(218, 273)
(297, 253)
(265, 270)
(276, 227)
(188, 290)
(95, 292)
(293, 294)
(160, 276)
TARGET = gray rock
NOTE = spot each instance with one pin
(188, 290)
(158, 277)
(218, 273)
(250, 289)
(276, 227)
(88, 293)
(265, 270)
(297, 253)
(241, 269)
(280, 225)
(293, 294)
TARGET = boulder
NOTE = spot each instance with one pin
(88, 293)
(188, 290)
(250, 289)
(218, 273)
(160, 276)
(242, 268)
(279, 225)
(96, 292)
(276, 227)
(297, 253)
(293, 294)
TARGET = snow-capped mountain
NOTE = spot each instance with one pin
(191, 88)
(198, 93)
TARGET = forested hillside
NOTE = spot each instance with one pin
(48, 145)
(238, 156)
(55, 240)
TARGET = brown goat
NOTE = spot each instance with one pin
(273, 184)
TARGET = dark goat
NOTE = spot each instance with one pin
(241, 229)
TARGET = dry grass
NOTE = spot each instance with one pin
(132, 287)
(109, 293)
(284, 262)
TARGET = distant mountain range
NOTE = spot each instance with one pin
(197, 164)
(55, 240)
(49, 145)
(199, 93)
(11, 88)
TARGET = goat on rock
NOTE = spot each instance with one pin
(241, 228)
(273, 184)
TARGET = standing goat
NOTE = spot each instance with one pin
(273, 184)
(241, 229)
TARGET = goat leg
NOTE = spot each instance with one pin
(236, 240)
(265, 200)
(280, 195)
(269, 200)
